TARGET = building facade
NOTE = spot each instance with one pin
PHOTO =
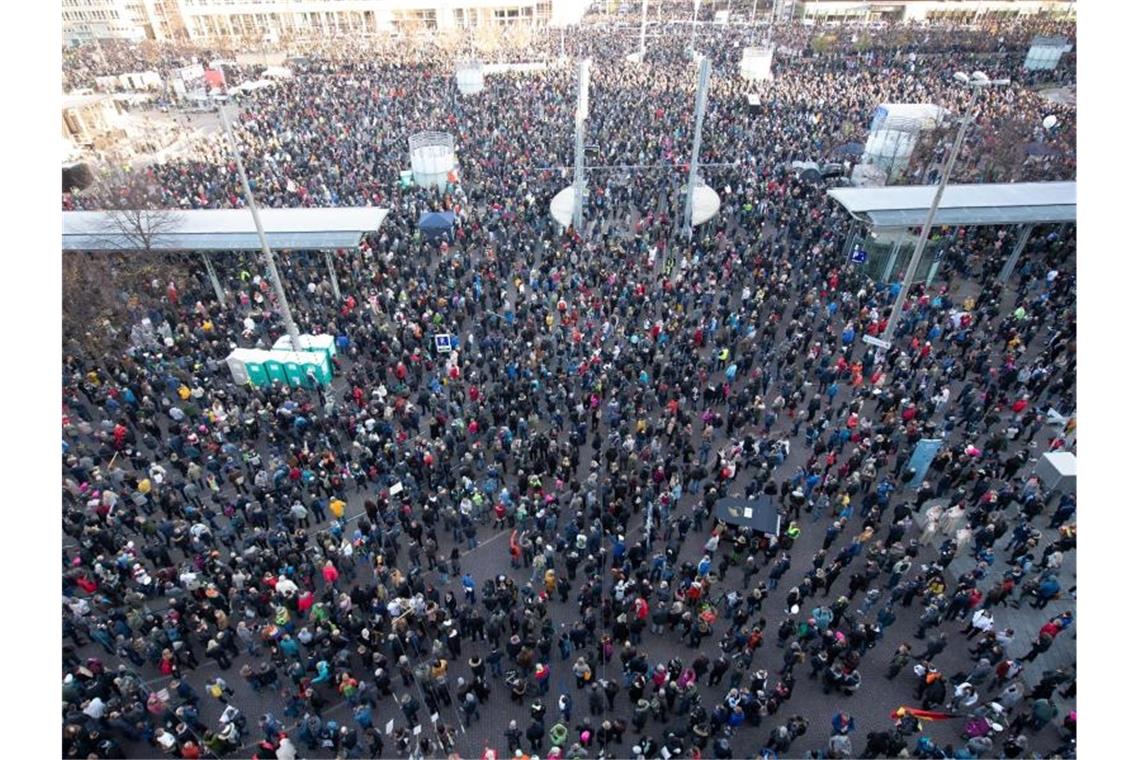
(256, 19)
(928, 10)
(86, 118)
(206, 20)
(131, 20)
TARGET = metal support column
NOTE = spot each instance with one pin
(332, 274)
(266, 254)
(891, 260)
(580, 141)
(847, 244)
(936, 264)
(694, 162)
(930, 274)
(644, 21)
(908, 278)
(1015, 254)
(218, 292)
(693, 43)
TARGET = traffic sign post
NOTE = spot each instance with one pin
(858, 255)
(443, 343)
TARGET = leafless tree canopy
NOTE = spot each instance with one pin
(134, 222)
(101, 290)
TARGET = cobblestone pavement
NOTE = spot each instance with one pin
(870, 706)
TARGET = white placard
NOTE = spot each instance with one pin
(871, 339)
(417, 730)
(389, 726)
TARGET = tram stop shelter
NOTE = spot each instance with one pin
(216, 230)
(885, 220)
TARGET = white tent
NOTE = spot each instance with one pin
(259, 84)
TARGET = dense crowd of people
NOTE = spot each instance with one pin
(523, 528)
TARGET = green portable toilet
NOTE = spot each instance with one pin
(236, 362)
(294, 365)
(406, 179)
(255, 366)
(274, 369)
(313, 364)
(325, 344)
(321, 365)
(258, 376)
(285, 344)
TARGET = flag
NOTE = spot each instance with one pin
(922, 714)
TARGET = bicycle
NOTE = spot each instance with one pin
(513, 679)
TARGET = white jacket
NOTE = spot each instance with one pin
(983, 620)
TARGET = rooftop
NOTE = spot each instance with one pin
(965, 205)
(222, 229)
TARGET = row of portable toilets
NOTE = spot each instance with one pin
(310, 366)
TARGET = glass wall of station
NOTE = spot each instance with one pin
(888, 252)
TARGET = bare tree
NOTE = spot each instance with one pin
(102, 290)
(132, 222)
(138, 229)
(519, 35)
(488, 38)
(103, 293)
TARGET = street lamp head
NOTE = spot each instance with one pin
(961, 76)
(1049, 121)
(979, 77)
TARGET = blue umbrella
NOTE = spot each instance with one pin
(437, 224)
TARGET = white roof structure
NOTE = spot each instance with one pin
(562, 206)
(966, 205)
(926, 114)
(706, 202)
(79, 101)
(1064, 462)
(225, 229)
